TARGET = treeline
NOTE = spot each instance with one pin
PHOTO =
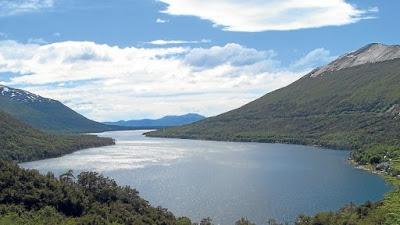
(29, 198)
(20, 142)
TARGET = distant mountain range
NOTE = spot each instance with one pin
(350, 103)
(46, 114)
(166, 121)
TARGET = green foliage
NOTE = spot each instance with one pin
(20, 142)
(27, 198)
(376, 154)
(365, 214)
(50, 115)
(206, 221)
(183, 221)
(356, 108)
(244, 221)
(351, 108)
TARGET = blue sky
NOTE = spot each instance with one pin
(222, 53)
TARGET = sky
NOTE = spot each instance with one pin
(130, 59)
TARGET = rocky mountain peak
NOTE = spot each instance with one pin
(372, 53)
(18, 95)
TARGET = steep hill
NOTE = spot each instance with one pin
(20, 142)
(352, 102)
(45, 113)
(166, 121)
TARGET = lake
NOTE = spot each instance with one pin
(226, 180)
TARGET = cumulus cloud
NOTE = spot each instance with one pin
(315, 58)
(264, 15)
(110, 82)
(232, 54)
(177, 42)
(37, 41)
(158, 20)
(13, 7)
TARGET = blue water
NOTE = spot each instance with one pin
(225, 180)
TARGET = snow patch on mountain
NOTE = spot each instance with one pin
(21, 95)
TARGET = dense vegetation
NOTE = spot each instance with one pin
(356, 108)
(351, 108)
(384, 159)
(47, 114)
(20, 142)
(27, 197)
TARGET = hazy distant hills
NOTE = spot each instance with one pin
(45, 113)
(348, 103)
(167, 121)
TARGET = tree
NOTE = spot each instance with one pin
(183, 221)
(244, 221)
(206, 221)
(68, 177)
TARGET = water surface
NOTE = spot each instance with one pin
(225, 180)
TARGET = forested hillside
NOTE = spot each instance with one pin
(47, 114)
(27, 197)
(348, 108)
(20, 142)
(351, 103)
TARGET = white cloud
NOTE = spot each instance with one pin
(13, 7)
(177, 42)
(109, 82)
(264, 15)
(315, 58)
(37, 41)
(158, 20)
(373, 9)
(231, 54)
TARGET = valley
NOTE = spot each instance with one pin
(350, 104)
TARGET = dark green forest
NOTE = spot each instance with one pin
(48, 114)
(29, 198)
(356, 109)
(20, 142)
(352, 108)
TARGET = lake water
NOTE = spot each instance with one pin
(225, 180)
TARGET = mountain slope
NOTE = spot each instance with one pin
(344, 107)
(166, 121)
(45, 113)
(20, 142)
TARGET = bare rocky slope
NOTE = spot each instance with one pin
(371, 53)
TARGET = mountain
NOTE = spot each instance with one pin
(166, 121)
(20, 142)
(350, 103)
(45, 113)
